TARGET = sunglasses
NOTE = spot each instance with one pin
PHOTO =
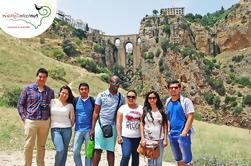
(115, 83)
(131, 97)
(151, 98)
(174, 87)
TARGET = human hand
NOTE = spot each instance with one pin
(119, 140)
(165, 142)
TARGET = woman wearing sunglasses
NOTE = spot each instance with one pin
(154, 126)
(128, 129)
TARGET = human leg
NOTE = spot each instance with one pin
(77, 144)
(96, 156)
(30, 132)
(176, 149)
(135, 154)
(186, 151)
(126, 147)
(57, 139)
(66, 133)
(86, 138)
(110, 158)
(43, 130)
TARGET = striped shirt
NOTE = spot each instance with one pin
(33, 104)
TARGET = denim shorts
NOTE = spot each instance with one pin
(181, 148)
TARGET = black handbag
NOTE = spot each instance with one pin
(107, 129)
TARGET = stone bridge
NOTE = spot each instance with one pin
(120, 42)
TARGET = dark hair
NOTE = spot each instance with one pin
(83, 84)
(147, 107)
(132, 91)
(42, 70)
(174, 82)
(70, 97)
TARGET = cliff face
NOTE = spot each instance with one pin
(231, 33)
(235, 32)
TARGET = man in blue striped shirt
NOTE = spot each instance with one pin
(34, 110)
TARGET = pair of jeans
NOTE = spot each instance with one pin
(129, 147)
(61, 138)
(79, 138)
(158, 161)
(181, 148)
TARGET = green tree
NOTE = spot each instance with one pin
(57, 73)
(155, 12)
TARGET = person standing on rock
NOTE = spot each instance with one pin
(84, 105)
(62, 120)
(153, 126)
(34, 110)
(106, 106)
(180, 111)
(128, 129)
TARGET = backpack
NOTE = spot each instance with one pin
(184, 107)
(76, 100)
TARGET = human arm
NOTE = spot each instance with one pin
(94, 119)
(165, 142)
(22, 104)
(72, 115)
(188, 125)
(142, 126)
(119, 126)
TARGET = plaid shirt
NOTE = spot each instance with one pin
(33, 104)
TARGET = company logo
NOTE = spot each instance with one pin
(28, 18)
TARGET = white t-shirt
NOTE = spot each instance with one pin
(152, 128)
(131, 121)
(60, 114)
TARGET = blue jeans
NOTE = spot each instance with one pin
(158, 161)
(129, 147)
(61, 138)
(79, 138)
(181, 148)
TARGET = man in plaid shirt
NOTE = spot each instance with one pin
(34, 110)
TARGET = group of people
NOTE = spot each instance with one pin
(108, 118)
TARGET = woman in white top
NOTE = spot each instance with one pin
(128, 129)
(154, 126)
(62, 120)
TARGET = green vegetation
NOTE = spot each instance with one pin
(10, 97)
(90, 65)
(217, 85)
(238, 58)
(218, 145)
(57, 73)
(212, 99)
(57, 54)
(69, 47)
(247, 100)
(99, 49)
(149, 56)
(210, 19)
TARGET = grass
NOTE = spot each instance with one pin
(220, 144)
(211, 143)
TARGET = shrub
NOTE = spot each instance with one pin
(239, 94)
(99, 49)
(158, 52)
(229, 99)
(247, 100)
(244, 81)
(79, 33)
(234, 104)
(42, 40)
(217, 85)
(10, 97)
(57, 73)
(69, 47)
(105, 77)
(237, 58)
(209, 97)
(57, 54)
(88, 63)
(166, 29)
(164, 45)
(216, 101)
(237, 110)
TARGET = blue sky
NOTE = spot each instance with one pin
(117, 17)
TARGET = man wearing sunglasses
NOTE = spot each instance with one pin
(106, 106)
(180, 111)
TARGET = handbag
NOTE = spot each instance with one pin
(107, 129)
(151, 149)
(90, 148)
(150, 152)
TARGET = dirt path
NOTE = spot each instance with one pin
(15, 158)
